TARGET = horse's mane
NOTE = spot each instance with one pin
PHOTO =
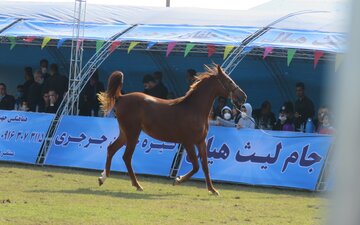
(209, 71)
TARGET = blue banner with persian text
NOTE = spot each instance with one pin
(82, 142)
(22, 134)
(271, 158)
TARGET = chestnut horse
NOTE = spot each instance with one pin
(187, 115)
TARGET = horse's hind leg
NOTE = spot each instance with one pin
(129, 151)
(111, 150)
(204, 163)
(190, 149)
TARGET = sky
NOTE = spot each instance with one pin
(212, 4)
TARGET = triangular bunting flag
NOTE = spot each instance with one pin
(248, 49)
(267, 51)
(150, 45)
(188, 48)
(114, 46)
(290, 55)
(99, 44)
(338, 60)
(132, 45)
(227, 50)
(317, 56)
(211, 49)
(61, 42)
(12, 42)
(45, 41)
(29, 39)
(170, 47)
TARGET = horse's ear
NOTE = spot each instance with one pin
(220, 71)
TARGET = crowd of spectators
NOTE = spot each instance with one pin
(291, 116)
(43, 90)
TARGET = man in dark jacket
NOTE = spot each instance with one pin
(160, 84)
(56, 82)
(150, 86)
(7, 102)
(304, 107)
(36, 91)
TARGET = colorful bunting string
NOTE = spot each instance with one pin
(170, 47)
(188, 49)
(211, 49)
(267, 51)
(132, 45)
(317, 55)
(290, 55)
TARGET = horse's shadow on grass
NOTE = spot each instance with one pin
(116, 194)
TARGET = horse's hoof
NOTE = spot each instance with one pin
(100, 181)
(177, 181)
(214, 192)
(139, 188)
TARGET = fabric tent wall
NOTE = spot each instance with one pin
(252, 74)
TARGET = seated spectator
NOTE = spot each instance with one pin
(29, 80)
(150, 86)
(221, 103)
(162, 88)
(44, 103)
(326, 127)
(35, 91)
(226, 118)
(24, 106)
(246, 120)
(54, 102)
(285, 121)
(320, 115)
(7, 102)
(190, 76)
(264, 118)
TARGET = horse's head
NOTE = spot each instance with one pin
(229, 89)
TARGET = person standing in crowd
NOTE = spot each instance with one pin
(29, 80)
(44, 103)
(264, 118)
(44, 64)
(246, 120)
(150, 86)
(7, 102)
(320, 116)
(56, 82)
(54, 102)
(89, 103)
(326, 127)
(19, 97)
(162, 88)
(35, 91)
(285, 121)
(304, 107)
(190, 76)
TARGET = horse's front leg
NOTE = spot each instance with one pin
(204, 163)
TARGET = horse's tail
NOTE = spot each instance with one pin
(107, 99)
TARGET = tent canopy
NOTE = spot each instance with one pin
(315, 31)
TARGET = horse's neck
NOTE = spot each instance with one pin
(202, 98)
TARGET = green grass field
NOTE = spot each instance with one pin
(44, 195)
